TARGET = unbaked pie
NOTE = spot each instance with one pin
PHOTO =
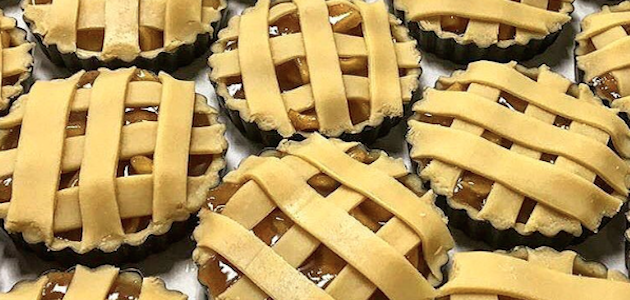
(155, 35)
(521, 156)
(105, 282)
(321, 219)
(601, 54)
(344, 68)
(528, 274)
(16, 61)
(500, 30)
(101, 167)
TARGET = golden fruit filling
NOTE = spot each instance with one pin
(323, 266)
(126, 287)
(136, 165)
(293, 74)
(472, 190)
(606, 87)
(459, 25)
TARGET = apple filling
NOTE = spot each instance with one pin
(472, 190)
(127, 286)
(293, 74)
(323, 266)
(136, 165)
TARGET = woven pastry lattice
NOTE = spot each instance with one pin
(374, 258)
(354, 65)
(123, 166)
(522, 149)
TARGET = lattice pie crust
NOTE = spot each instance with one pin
(333, 66)
(106, 158)
(360, 231)
(523, 149)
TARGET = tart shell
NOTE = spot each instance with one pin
(152, 242)
(165, 61)
(485, 231)
(125, 254)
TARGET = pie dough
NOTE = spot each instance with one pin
(373, 258)
(121, 29)
(537, 142)
(16, 61)
(486, 19)
(528, 274)
(331, 90)
(601, 49)
(105, 197)
(102, 283)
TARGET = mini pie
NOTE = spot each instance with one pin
(528, 274)
(521, 155)
(499, 30)
(136, 152)
(343, 68)
(105, 282)
(156, 35)
(601, 53)
(364, 227)
(16, 61)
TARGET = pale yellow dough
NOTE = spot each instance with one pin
(564, 192)
(531, 274)
(15, 60)
(92, 284)
(179, 20)
(602, 46)
(328, 90)
(375, 260)
(38, 210)
(531, 19)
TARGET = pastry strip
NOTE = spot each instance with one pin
(498, 279)
(170, 161)
(32, 205)
(99, 282)
(511, 13)
(258, 72)
(326, 79)
(97, 195)
(63, 26)
(121, 30)
(382, 67)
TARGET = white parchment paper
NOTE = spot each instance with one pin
(175, 265)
